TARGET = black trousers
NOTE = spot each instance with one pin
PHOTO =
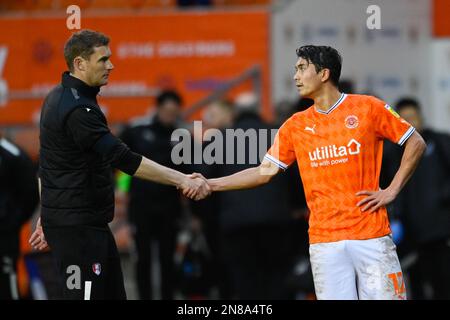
(87, 262)
(432, 268)
(260, 258)
(161, 227)
(8, 277)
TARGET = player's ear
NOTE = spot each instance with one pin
(325, 74)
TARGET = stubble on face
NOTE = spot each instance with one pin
(99, 66)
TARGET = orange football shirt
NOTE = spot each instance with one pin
(339, 153)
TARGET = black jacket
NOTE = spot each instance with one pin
(77, 154)
(18, 194)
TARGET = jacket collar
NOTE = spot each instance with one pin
(69, 81)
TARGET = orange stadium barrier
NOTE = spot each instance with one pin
(195, 52)
(39, 5)
(441, 21)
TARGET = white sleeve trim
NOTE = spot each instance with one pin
(406, 135)
(277, 162)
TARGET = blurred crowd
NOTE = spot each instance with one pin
(241, 245)
(250, 244)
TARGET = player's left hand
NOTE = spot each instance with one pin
(375, 199)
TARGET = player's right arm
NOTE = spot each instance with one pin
(246, 179)
(280, 155)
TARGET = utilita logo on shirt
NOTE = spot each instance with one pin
(332, 154)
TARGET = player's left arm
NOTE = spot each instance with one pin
(414, 149)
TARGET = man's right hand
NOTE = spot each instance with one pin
(195, 187)
(37, 239)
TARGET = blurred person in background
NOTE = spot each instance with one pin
(424, 209)
(156, 220)
(76, 159)
(257, 241)
(19, 198)
(300, 281)
(218, 115)
(205, 214)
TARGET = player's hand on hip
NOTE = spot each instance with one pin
(375, 199)
(37, 239)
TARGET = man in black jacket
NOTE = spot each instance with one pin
(424, 209)
(77, 154)
(18, 200)
(156, 220)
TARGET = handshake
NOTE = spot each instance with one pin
(195, 186)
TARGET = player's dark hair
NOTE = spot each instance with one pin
(82, 43)
(168, 95)
(323, 57)
(407, 102)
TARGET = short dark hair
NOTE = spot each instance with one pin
(168, 95)
(82, 43)
(407, 102)
(323, 57)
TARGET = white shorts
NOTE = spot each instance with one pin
(357, 269)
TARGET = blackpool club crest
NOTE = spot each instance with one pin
(351, 122)
(97, 268)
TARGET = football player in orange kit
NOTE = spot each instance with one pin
(338, 144)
